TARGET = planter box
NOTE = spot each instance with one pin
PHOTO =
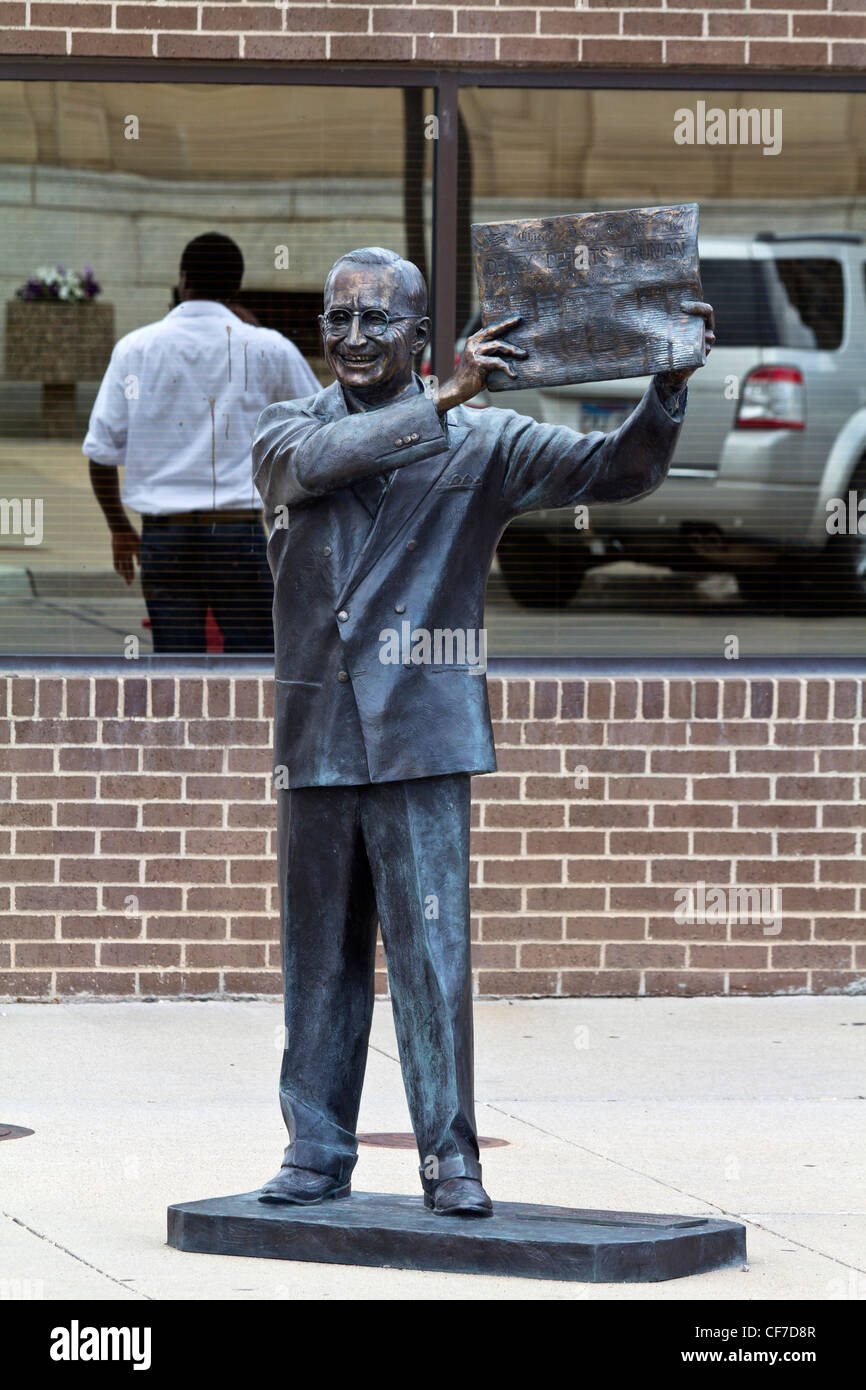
(58, 343)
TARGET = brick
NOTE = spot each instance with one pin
(731, 734)
(837, 981)
(788, 817)
(141, 732)
(522, 928)
(421, 19)
(23, 687)
(50, 692)
(607, 870)
(77, 16)
(535, 817)
(254, 928)
(105, 703)
(194, 928)
(155, 17)
(689, 814)
(247, 699)
(846, 700)
(733, 842)
(248, 982)
(605, 928)
(159, 984)
(84, 813)
(518, 983)
(522, 871)
(55, 842)
(98, 759)
(668, 929)
(811, 789)
(46, 897)
(643, 732)
(29, 759)
(148, 898)
(572, 699)
(687, 982)
(26, 927)
(198, 46)
(94, 982)
(197, 813)
(653, 699)
(680, 699)
(722, 956)
(736, 26)
(135, 955)
(733, 699)
(812, 955)
(100, 926)
(732, 789)
(840, 928)
(184, 871)
(606, 759)
(643, 955)
(620, 816)
(24, 984)
(564, 842)
(691, 761)
(775, 53)
(383, 48)
(614, 984)
(455, 49)
(647, 788)
(707, 696)
(243, 17)
(688, 871)
(51, 954)
(224, 899)
(151, 788)
(566, 955)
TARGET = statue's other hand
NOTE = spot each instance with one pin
(675, 379)
(484, 352)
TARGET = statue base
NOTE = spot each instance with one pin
(520, 1239)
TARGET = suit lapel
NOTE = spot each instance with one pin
(406, 491)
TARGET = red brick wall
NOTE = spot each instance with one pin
(136, 819)
(767, 34)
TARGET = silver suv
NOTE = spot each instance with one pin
(775, 430)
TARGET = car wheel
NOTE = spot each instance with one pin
(844, 559)
(539, 573)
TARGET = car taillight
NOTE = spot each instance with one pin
(772, 399)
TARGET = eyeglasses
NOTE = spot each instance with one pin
(373, 322)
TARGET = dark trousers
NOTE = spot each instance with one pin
(186, 569)
(399, 852)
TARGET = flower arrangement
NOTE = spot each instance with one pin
(61, 285)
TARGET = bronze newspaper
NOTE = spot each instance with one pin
(599, 293)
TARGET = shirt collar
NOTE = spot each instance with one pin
(199, 308)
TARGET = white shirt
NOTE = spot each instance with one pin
(179, 403)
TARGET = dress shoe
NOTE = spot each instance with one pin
(302, 1186)
(459, 1197)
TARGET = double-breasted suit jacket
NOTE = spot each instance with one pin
(347, 571)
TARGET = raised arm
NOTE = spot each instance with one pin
(299, 457)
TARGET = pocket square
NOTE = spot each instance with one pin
(458, 480)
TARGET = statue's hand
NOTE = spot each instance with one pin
(674, 380)
(483, 352)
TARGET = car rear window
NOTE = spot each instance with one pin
(790, 301)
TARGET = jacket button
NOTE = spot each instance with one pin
(343, 616)
(398, 443)
(411, 545)
(327, 550)
(343, 676)
(399, 608)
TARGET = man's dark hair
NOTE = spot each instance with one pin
(214, 265)
(377, 255)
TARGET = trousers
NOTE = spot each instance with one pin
(187, 569)
(349, 856)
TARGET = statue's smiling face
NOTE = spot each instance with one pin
(380, 364)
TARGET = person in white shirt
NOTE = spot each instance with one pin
(177, 410)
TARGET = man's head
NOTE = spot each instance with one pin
(211, 267)
(372, 356)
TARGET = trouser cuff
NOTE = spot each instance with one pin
(434, 1170)
(334, 1163)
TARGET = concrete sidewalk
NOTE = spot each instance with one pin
(752, 1108)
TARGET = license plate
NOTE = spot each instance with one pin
(601, 415)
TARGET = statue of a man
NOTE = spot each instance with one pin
(386, 504)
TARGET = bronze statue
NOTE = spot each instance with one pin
(385, 504)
